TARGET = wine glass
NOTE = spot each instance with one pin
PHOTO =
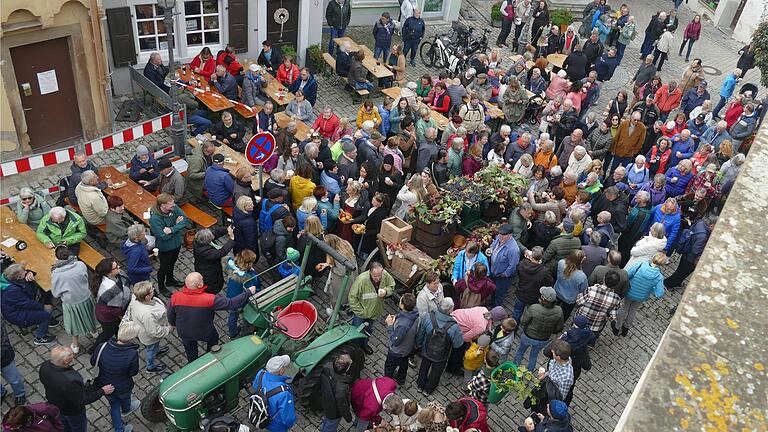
(108, 176)
(139, 191)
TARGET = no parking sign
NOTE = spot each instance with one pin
(260, 148)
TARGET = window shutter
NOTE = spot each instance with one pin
(121, 36)
(238, 24)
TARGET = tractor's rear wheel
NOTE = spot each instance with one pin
(310, 388)
(151, 408)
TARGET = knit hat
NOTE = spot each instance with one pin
(548, 293)
(484, 340)
(164, 163)
(557, 408)
(580, 321)
(141, 150)
(568, 225)
(411, 86)
(218, 158)
(498, 313)
(389, 159)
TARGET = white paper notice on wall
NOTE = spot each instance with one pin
(47, 81)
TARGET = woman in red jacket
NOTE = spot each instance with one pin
(691, 35)
(474, 161)
(287, 72)
(327, 123)
(204, 63)
(228, 59)
(441, 101)
(467, 413)
(658, 157)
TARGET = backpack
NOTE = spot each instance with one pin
(684, 242)
(265, 216)
(258, 409)
(438, 345)
(267, 244)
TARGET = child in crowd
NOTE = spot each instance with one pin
(406, 419)
(503, 337)
(475, 355)
(480, 385)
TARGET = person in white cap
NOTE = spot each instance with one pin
(253, 85)
(282, 411)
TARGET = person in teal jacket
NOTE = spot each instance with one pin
(726, 91)
(61, 226)
(645, 278)
(466, 260)
(167, 223)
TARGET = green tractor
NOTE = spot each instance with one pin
(210, 386)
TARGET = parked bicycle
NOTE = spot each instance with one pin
(454, 51)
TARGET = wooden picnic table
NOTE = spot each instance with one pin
(232, 160)
(274, 87)
(211, 97)
(353, 46)
(377, 70)
(302, 129)
(557, 59)
(393, 92)
(135, 198)
(37, 257)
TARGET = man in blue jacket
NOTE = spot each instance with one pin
(402, 338)
(19, 306)
(305, 82)
(726, 91)
(716, 134)
(282, 410)
(504, 255)
(432, 367)
(694, 97)
(412, 32)
(118, 362)
(225, 83)
(219, 182)
(682, 147)
(691, 251)
(382, 33)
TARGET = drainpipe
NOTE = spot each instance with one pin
(102, 69)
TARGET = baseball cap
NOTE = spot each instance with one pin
(218, 158)
(277, 362)
(558, 409)
(164, 163)
(701, 117)
(703, 83)
(505, 229)
(548, 293)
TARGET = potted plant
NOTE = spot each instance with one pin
(501, 190)
(496, 14)
(508, 377)
(314, 60)
(562, 18)
(760, 47)
(288, 50)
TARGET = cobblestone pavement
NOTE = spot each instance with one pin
(600, 394)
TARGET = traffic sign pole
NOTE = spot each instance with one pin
(259, 149)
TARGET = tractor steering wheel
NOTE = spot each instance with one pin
(274, 322)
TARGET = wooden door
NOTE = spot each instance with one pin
(46, 84)
(287, 13)
(738, 13)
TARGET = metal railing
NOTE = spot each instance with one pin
(152, 97)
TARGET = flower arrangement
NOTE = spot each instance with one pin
(499, 184)
(515, 379)
(444, 211)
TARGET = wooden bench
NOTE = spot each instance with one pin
(198, 216)
(331, 62)
(90, 256)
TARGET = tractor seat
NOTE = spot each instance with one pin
(298, 318)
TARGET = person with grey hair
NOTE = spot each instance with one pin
(225, 83)
(300, 109)
(424, 122)
(143, 165)
(118, 362)
(436, 350)
(648, 246)
(310, 157)
(427, 150)
(579, 161)
(61, 226)
(156, 71)
(80, 164)
(20, 307)
(230, 131)
(93, 204)
(208, 257)
(273, 379)
(148, 313)
(66, 389)
(69, 282)
(594, 254)
(730, 170)
(343, 59)
(31, 207)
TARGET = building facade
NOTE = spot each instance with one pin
(51, 56)
(741, 16)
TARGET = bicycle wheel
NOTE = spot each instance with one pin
(428, 53)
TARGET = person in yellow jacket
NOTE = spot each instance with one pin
(474, 356)
(301, 185)
(368, 112)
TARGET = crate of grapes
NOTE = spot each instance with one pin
(509, 377)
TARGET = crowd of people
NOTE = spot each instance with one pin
(613, 192)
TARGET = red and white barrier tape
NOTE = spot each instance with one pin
(97, 146)
(53, 189)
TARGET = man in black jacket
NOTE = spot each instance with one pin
(337, 15)
(156, 71)
(576, 64)
(412, 32)
(593, 49)
(208, 257)
(65, 388)
(335, 383)
(615, 203)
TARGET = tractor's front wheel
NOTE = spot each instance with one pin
(151, 408)
(310, 389)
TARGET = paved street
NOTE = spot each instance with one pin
(600, 394)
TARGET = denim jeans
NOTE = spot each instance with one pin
(330, 425)
(232, 320)
(151, 353)
(378, 51)
(75, 423)
(719, 106)
(42, 326)
(502, 286)
(363, 86)
(620, 47)
(536, 346)
(690, 47)
(190, 346)
(411, 46)
(335, 33)
(517, 312)
(119, 404)
(14, 378)
(201, 123)
(356, 321)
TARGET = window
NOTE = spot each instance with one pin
(202, 22)
(432, 6)
(151, 28)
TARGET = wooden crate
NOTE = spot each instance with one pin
(395, 230)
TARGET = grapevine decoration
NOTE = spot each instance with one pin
(516, 379)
